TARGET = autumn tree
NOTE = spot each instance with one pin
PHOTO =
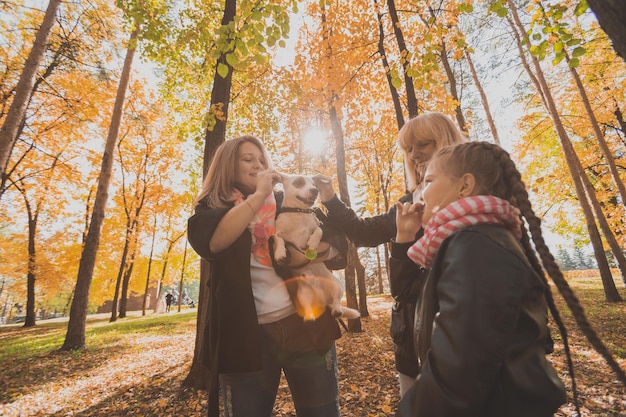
(75, 336)
(23, 90)
(535, 72)
(210, 63)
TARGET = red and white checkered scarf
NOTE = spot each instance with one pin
(465, 212)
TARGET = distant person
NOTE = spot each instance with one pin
(169, 298)
(418, 139)
(482, 327)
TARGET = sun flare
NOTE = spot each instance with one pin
(314, 141)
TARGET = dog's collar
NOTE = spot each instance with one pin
(295, 210)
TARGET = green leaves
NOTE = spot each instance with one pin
(222, 70)
(550, 27)
(499, 8)
(581, 8)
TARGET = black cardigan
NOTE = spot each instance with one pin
(232, 333)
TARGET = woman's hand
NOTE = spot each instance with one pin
(408, 221)
(265, 182)
(325, 185)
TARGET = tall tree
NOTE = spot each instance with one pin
(33, 210)
(405, 60)
(611, 14)
(15, 115)
(391, 82)
(75, 336)
(537, 76)
(551, 16)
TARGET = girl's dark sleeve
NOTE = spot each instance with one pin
(406, 278)
(479, 292)
(367, 231)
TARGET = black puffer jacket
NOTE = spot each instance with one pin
(405, 286)
(481, 332)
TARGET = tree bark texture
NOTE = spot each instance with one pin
(611, 15)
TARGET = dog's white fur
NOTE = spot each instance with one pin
(317, 286)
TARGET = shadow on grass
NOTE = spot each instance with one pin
(30, 357)
(165, 398)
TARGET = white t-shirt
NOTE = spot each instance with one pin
(271, 298)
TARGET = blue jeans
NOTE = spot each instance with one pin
(311, 376)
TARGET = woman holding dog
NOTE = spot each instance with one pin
(419, 139)
(253, 332)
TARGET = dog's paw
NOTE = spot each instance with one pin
(281, 256)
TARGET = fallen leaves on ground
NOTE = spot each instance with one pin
(141, 375)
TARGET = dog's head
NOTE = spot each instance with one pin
(300, 191)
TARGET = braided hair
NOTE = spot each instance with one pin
(497, 175)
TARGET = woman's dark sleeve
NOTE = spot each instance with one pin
(200, 229)
(367, 231)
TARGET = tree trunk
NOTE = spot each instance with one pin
(360, 279)
(411, 98)
(120, 275)
(354, 325)
(458, 111)
(608, 155)
(571, 158)
(144, 305)
(199, 375)
(32, 267)
(483, 98)
(182, 277)
(128, 273)
(611, 15)
(75, 336)
(15, 115)
(379, 271)
(130, 264)
(395, 97)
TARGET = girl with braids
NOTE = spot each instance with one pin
(481, 328)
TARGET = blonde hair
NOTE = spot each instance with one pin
(219, 182)
(427, 126)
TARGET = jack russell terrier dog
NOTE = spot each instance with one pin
(298, 229)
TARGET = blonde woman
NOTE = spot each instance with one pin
(419, 139)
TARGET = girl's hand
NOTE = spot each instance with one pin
(408, 221)
(325, 185)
